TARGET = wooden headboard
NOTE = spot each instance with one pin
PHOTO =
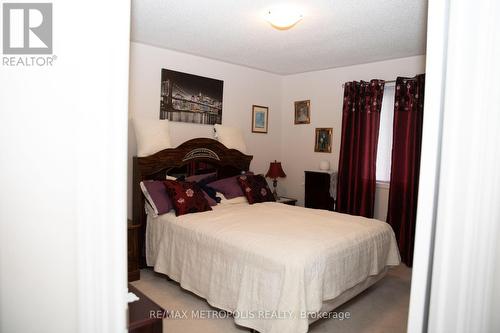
(191, 157)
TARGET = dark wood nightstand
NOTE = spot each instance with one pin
(133, 251)
(287, 201)
(318, 186)
(144, 315)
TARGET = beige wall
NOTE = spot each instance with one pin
(324, 89)
(243, 87)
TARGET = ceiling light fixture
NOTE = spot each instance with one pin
(283, 17)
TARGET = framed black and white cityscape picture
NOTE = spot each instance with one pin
(190, 98)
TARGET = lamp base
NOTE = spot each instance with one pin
(275, 184)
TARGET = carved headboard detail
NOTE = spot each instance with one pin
(187, 159)
(198, 153)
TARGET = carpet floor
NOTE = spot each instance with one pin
(382, 308)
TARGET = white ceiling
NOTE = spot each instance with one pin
(333, 33)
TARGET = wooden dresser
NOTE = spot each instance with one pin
(134, 272)
(320, 187)
(144, 315)
(287, 201)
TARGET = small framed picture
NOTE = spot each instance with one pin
(259, 119)
(303, 112)
(323, 140)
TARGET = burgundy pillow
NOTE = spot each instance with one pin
(255, 188)
(228, 186)
(187, 197)
(157, 196)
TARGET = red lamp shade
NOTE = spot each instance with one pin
(275, 171)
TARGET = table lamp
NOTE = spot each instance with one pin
(275, 171)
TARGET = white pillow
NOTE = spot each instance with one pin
(231, 137)
(152, 135)
(237, 200)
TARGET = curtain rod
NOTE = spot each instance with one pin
(389, 81)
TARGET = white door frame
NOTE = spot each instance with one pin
(63, 172)
(437, 37)
(102, 167)
(456, 282)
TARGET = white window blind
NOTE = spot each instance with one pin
(384, 149)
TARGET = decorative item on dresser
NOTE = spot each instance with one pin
(133, 251)
(324, 165)
(287, 201)
(275, 171)
(144, 315)
(320, 189)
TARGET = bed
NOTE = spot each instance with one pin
(275, 267)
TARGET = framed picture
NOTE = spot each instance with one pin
(323, 140)
(259, 119)
(303, 112)
(190, 98)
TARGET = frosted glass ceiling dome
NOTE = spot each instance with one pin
(283, 17)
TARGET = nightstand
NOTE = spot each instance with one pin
(320, 188)
(133, 251)
(144, 315)
(287, 201)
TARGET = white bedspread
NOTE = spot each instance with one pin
(269, 257)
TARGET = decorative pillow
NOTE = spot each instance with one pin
(157, 196)
(186, 197)
(152, 135)
(228, 186)
(231, 137)
(255, 188)
(209, 193)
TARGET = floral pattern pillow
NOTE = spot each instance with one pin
(187, 197)
(255, 188)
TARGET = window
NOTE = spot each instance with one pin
(384, 149)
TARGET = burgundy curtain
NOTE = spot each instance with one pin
(358, 147)
(405, 168)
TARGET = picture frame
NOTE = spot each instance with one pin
(260, 116)
(323, 140)
(191, 98)
(302, 112)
